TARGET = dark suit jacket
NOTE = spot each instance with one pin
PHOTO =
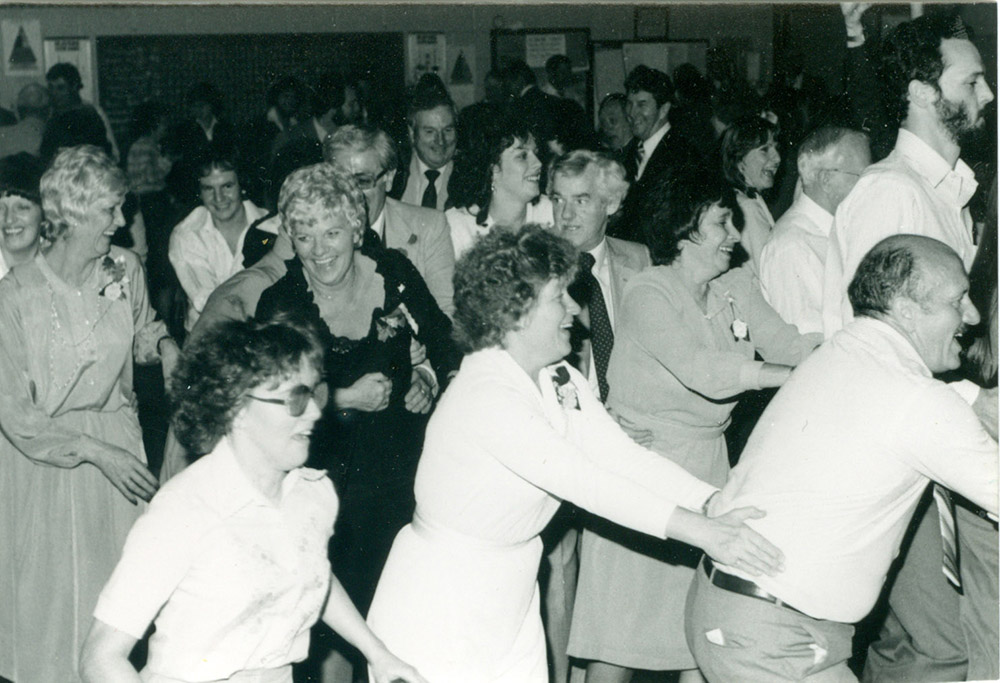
(673, 153)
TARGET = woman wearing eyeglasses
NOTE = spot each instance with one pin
(230, 558)
(368, 303)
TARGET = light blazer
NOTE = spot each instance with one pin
(423, 236)
(625, 259)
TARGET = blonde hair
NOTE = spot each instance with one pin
(78, 178)
(326, 186)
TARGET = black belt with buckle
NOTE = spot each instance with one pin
(734, 584)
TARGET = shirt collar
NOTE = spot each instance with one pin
(600, 254)
(875, 330)
(650, 143)
(957, 185)
(816, 214)
(422, 168)
(378, 227)
(320, 130)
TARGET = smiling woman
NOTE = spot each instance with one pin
(20, 209)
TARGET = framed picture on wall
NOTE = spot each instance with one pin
(536, 46)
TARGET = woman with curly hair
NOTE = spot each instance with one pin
(517, 432)
(72, 320)
(750, 161)
(230, 558)
(499, 185)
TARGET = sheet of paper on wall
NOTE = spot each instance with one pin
(75, 51)
(426, 54)
(538, 47)
(22, 47)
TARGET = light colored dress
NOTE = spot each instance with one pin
(65, 376)
(465, 231)
(458, 598)
(677, 372)
(757, 226)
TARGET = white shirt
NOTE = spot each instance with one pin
(378, 225)
(416, 183)
(840, 458)
(4, 268)
(465, 231)
(649, 146)
(201, 257)
(232, 581)
(791, 264)
(757, 226)
(601, 271)
(321, 132)
(913, 190)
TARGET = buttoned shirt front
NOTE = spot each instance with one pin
(233, 581)
(791, 264)
(840, 459)
(202, 258)
(417, 182)
(913, 190)
(649, 146)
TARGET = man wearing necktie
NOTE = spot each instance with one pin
(935, 83)
(422, 180)
(840, 461)
(586, 188)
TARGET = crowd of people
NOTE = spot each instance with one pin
(503, 397)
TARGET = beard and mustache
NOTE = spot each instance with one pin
(956, 118)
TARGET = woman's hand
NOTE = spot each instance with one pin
(388, 668)
(125, 471)
(369, 394)
(418, 352)
(169, 353)
(643, 437)
(420, 397)
(733, 543)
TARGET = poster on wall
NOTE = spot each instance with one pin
(425, 53)
(22, 47)
(460, 80)
(538, 47)
(75, 51)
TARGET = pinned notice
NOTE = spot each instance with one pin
(22, 47)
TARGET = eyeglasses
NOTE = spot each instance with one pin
(367, 181)
(840, 170)
(298, 398)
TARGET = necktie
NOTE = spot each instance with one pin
(430, 200)
(587, 290)
(640, 154)
(949, 542)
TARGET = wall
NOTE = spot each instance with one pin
(465, 24)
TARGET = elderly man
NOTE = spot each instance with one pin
(839, 461)
(586, 188)
(32, 111)
(423, 179)
(935, 82)
(791, 264)
(656, 149)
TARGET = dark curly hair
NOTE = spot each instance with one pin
(673, 209)
(473, 175)
(218, 368)
(913, 52)
(746, 134)
(497, 281)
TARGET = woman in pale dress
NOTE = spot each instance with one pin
(516, 433)
(74, 471)
(684, 349)
(230, 558)
(497, 184)
(750, 160)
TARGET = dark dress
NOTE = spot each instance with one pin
(371, 456)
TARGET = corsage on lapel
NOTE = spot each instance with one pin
(565, 389)
(114, 277)
(394, 322)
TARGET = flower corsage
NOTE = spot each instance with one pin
(565, 389)
(739, 327)
(113, 270)
(394, 322)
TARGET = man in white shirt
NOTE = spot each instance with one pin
(586, 188)
(934, 79)
(433, 138)
(830, 162)
(840, 460)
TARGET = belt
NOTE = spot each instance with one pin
(734, 584)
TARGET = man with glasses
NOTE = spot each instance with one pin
(420, 233)
(830, 162)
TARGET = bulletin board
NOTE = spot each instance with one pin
(134, 68)
(535, 46)
(613, 60)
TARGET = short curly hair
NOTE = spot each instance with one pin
(611, 182)
(78, 177)
(497, 281)
(326, 186)
(671, 212)
(216, 370)
(745, 135)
